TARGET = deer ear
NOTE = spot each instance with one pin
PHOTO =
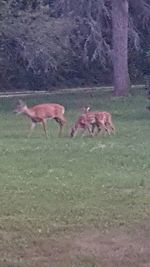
(21, 103)
(88, 108)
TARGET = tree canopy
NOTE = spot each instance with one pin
(49, 43)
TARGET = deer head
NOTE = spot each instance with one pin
(20, 107)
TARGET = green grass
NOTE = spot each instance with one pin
(63, 185)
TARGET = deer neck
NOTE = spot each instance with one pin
(29, 112)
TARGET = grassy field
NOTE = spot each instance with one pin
(81, 202)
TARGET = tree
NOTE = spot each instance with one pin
(129, 20)
(46, 43)
(120, 31)
(120, 9)
(32, 46)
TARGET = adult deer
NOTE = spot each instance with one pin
(40, 113)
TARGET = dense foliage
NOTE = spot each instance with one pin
(49, 43)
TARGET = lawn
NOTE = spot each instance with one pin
(80, 202)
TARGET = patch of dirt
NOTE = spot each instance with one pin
(116, 249)
(90, 248)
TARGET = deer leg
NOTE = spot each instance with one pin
(44, 127)
(83, 131)
(98, 130)
(60, 129)
(107, 128)
(61, 123)
(63, 119)
(93, 129)
(89, 130)
(113, 128)
(31, 129)
(72, 132)
(110, 128)
(101, 128)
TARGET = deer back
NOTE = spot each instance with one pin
(48, 110)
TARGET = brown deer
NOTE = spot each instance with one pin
(104, 122)
(102, 118)
(90, 120)
(85, 121)
(40, 113)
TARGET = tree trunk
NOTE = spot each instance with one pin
(120, 46)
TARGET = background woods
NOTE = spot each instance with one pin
(52, 43)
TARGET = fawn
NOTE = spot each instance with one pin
(104, 122)
(90, 120)
(40, 113)
(84, 121)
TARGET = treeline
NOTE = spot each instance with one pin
(46, 44)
